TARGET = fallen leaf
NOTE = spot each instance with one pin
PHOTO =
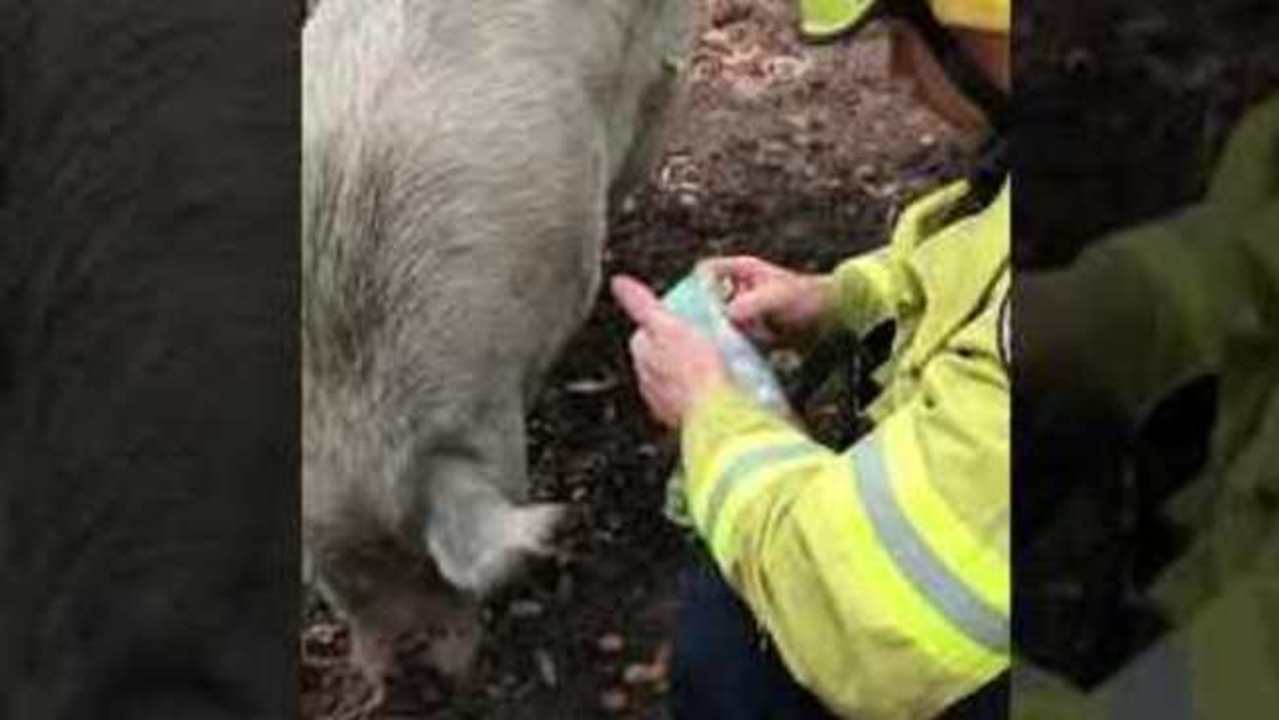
(591, 386)
(614, 700)
(638, 674)
(546, 667)
(611, 643)
(525, 609)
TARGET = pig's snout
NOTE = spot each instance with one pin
(445, 654)
(415, 627)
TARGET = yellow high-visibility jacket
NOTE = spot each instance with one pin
(825, 18)
(881, 574)
(1134, 316)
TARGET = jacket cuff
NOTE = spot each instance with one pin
(725, 414)
(830, 321)
(859, 291)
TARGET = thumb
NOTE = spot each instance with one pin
(753, 305)
(637, 301)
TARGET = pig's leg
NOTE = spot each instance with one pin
(475, 480)
(475, 530)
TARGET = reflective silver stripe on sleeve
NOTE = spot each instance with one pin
(945, 592)
(744, 466)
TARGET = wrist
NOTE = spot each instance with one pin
(714, 385)
(826, 301)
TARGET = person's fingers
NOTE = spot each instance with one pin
(748, 308)
(636, 300)
(640, 345)
(744, 270)
(652, 357)
(639, 302)
(650, 402)
(649, 391)
(643, 357)
(759, 331)
(648, 382)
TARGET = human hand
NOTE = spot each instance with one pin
(675, 364)
(771, 304)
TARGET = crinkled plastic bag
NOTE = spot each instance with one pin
(700, 299)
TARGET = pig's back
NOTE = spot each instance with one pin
(453, 197)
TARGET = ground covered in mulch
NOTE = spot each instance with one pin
(796, 153)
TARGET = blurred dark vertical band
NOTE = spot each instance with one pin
(148, 359)
(1139, 384)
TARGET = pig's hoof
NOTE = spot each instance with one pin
(484, 549)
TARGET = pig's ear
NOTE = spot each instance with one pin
(479, 543)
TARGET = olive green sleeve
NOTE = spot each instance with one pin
(1142, 311)
(1134, 316)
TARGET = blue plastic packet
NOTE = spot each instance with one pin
(700, 299)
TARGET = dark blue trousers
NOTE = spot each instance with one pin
(722, 670)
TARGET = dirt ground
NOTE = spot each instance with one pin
(796, 153)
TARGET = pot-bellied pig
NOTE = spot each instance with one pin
(458, 160)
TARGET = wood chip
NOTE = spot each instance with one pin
(591, 386)
(546, 667)
(662, 661)
(638, 674)
(653, 673)
(611, 643)
(614, 700)
(524, 609)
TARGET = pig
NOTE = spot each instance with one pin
(149, 360)
(458, 161)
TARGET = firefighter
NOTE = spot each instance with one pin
(871, 583)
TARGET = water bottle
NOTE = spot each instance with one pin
(700, 299)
